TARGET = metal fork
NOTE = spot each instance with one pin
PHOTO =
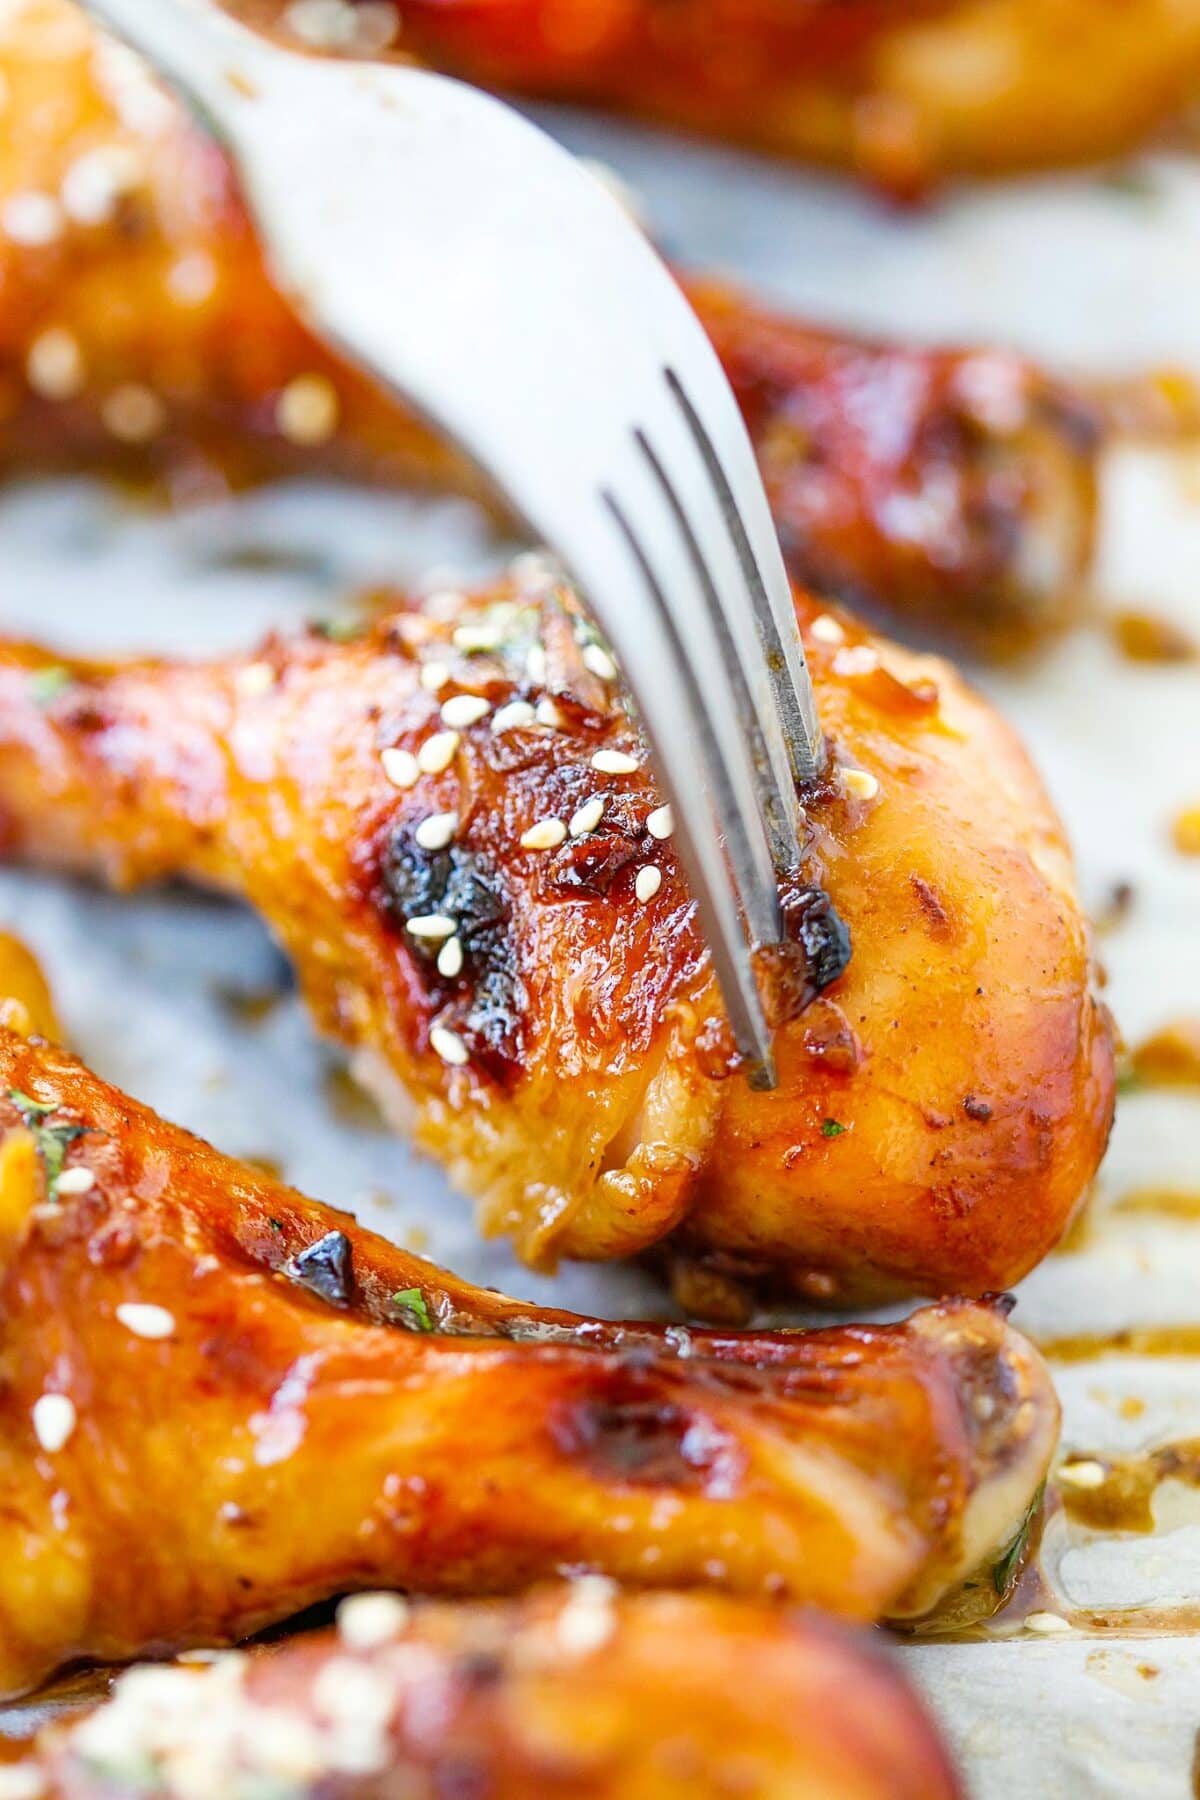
(470, 263)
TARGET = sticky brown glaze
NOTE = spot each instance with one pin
(574, 1693)
(944, 1096)
(145, 334)
(902, 92)
(271, 1406)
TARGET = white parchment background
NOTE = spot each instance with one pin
(1093, 276)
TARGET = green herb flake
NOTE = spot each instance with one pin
(411, 1302)
(52, 1140)
(339, 630)
(275, 1224)
(1007, 1568)
(832, 1128)
(47, 684)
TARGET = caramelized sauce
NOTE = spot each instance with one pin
(1185, 831)
(1145, 638)
(1169, 1058)
(1124, 1499)
(1142, 1340)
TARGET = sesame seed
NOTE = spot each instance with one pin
(54, 365)
(599, 662)
(322, 24)
(31, 217)
(22, 1781)
(53, 1420)
(134, 414)
(465, 709)
(449, 1046)
(535, 664)
(660, 823)
(79, 1180)
(826, 629)
(367, 1621)
(307, 410)
(433, 926)
(615, 762)
(547, 713)
(587, 818)
(1087, 1473)
(859, 659)
(450, 958)
(861, 783)
(477, 637)
(146, 1320)
(400, 767)
(434, 675)
(435, 832)
(98, 180)
(254, 679)
(648, 882)
(1047, 1623)
(533, 571)
(192, 279)
(516, 716)
(547, 834)
(587, 1620)
(438, 752)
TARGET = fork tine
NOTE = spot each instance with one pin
(700, 809)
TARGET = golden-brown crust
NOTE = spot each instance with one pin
(943, 1104)
(902, 92)
(953, 484)
(569, 1694)
(269, 1406)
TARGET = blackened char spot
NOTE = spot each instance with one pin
(638, 1435)
(485, 1003)
(815, 951)
(326, 1268)
(590, 865)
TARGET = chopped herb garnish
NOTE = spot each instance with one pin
(1005, 1571)
(411, 1302)
(47, 684)
(52, 1140)
(832, 1128)
(339, 630)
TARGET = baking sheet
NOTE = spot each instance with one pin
(1090, 272)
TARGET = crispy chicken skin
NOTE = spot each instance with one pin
(270, 1406)
(901, 92)
(574, 1693)
(542, 1012)
(144, 332)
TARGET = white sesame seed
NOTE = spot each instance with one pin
(400, 767)
(858, 659)
(434, 675)
(1047, 1623)
(79, 1180)
(861, 783)
(599, 662)
(53, 1421)
(535, 664)
(449, 1046)
(433, 926)
(547, 713)
(54, 365)
(587, 1620)
(476, 637)
(307, 410)
(22, 1781)
(615, 762)
(465, 709)
(438, 752)
(661, 823)
(322, 24)
(366, 1621)
(98, 180)
(648, 882)
(547, 834)
(533, 571)
(435, 832)
(192, 279)
(587, 818)
(133, 413)
(450, 958)
(826, 629)
(146, 1320)
(441, 603)
(516, 716)
(1084, 1474)
(254, 680)
(31, 217)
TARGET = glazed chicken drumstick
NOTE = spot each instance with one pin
(223, 1402)
(139, 327)
(450, 825)
(573, 1694)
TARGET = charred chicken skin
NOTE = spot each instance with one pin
(902, 92)
(222, 1402)
(139, 328)
(574, 1693)
(451, 827)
